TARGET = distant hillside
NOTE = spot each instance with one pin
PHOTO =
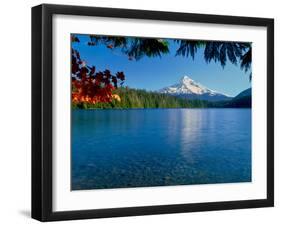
(242, 100)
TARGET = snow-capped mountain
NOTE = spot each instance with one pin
(189, 89)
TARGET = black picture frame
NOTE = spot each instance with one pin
(42, 111)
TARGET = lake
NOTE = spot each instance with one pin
(159, 147)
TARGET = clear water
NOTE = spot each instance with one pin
(158, 147)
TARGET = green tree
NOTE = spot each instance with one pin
(235, 52)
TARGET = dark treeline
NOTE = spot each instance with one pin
(242, 102)
(135, 98)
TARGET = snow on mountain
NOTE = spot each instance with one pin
(189, 89)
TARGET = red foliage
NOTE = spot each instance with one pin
(89, 86)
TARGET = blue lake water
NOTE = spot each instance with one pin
(158, 147)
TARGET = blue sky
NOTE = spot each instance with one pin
(156, 73)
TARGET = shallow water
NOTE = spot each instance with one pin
(156, 147)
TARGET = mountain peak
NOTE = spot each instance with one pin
(185, 78)
(190, 86)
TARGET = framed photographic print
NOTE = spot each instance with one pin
(144, 112)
